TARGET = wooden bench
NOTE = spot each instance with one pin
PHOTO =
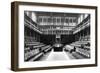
(36, 52)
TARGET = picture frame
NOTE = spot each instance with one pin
(19, 17)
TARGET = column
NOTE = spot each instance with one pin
(83, 35)
(72, 21)
(60, 20)
(68, 24)
(46, 20)
(55, 20)
(64, 19)
(30, 14)
(42, 20)
(79, 19)
(51, 19)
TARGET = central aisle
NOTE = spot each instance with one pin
(55, 56)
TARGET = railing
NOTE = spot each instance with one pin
(30, 23)
(30, 20)
(57, 32)
(83, 24)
